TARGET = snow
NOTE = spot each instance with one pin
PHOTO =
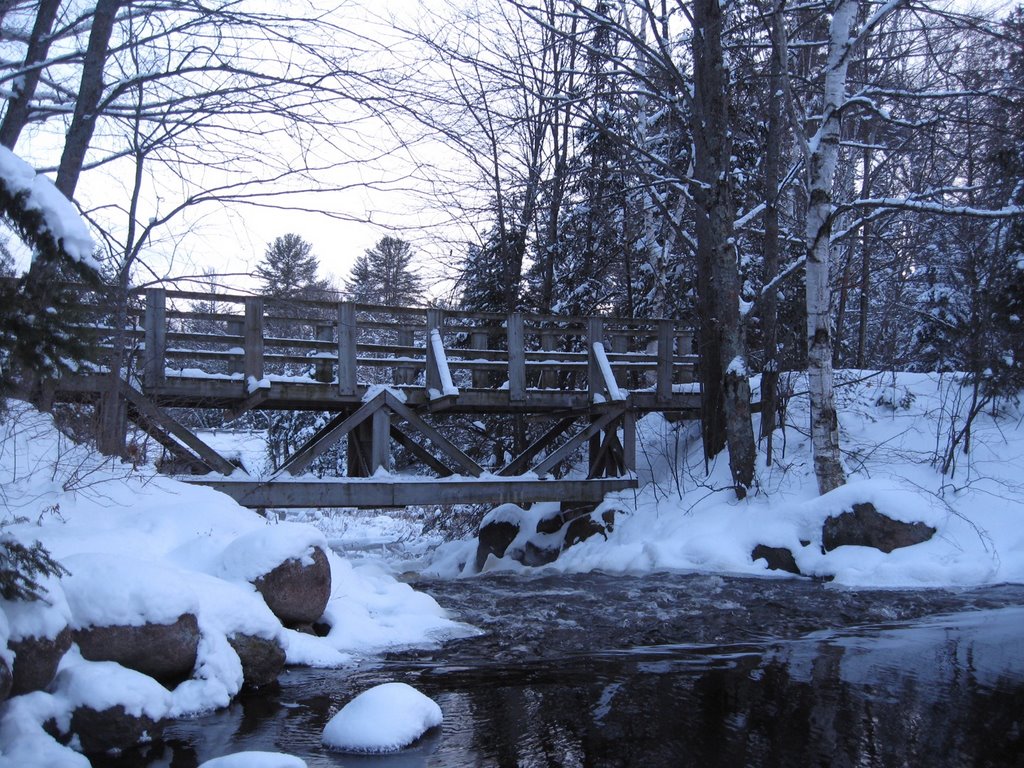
(384, 718)
(255, 760)
(144, 548)
(60, 215)
(448, 388)
(375, 389)
(606, 372)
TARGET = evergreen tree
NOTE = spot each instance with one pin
(385, 275)
(289, 268)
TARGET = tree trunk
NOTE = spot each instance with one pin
(83, 122)
(716, 217)
(769, 303)
(17, 113)
(824, 154)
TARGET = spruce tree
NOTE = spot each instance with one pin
(384, 275)
(289, 268)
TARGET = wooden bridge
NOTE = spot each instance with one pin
(399, 376)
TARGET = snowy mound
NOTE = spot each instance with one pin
(255, 760)
(385, 718)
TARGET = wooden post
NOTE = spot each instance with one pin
(324, 368)
(620, 344)
(156, 337)
(481, 378)
(629, 439)
(380, 440)
(253, 339)
(684, 345)
(435, 319)
(516, 358)
(347, 339)
(360, 441)
(549, 376)
(666, 358)
(405, 374)
(595, 333)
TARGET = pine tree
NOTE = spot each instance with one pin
(384, 275)
(289, 268)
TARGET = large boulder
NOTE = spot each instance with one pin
(165, 652)
(778, 558)
(494, 539)
(587, 526)
(865, 526)
(262, 658)
(36, 660)
(113, 729)
(297, 591)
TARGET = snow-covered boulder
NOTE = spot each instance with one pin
(385, 718)
(288, 565)
(137, 613)
(865, 526)
(777, 558)
(36, 660)
(112, 707)
(39, 637)
(498, 530)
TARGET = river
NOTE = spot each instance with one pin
(673, 669)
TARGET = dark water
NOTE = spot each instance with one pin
(676, 670)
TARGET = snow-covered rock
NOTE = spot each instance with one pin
(255, 760)
(384, 718)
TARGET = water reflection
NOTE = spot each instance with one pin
(592, 690)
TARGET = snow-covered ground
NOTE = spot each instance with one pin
(893, 428)
(143, 548)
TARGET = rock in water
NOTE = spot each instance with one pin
(262, 659)
(297, 592)
(113, 729)
(779, 558)
(494, 538)
(385, 718)
(865, 526)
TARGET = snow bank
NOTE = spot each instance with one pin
(384, 718)
(42, 619)
(104, 684)
(893, 427)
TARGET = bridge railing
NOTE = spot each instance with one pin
(259, 340)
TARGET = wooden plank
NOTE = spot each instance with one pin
(376, 494)
(156, 336)
(549, 345)
(419, 452)
(620, 346)
(347, 335)
(443, 444)
(519, 464)
(665, 360)
(516, 358)
(147, 410)
(565, 450)
(323, 440)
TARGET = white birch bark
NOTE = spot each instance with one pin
(824, 153)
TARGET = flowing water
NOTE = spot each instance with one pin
(674, 670)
